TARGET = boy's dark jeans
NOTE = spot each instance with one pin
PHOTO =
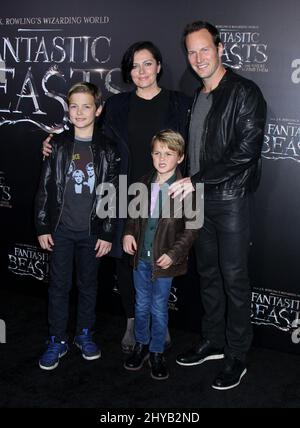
(70, 247)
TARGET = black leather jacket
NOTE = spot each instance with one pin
(114, 121)
(230, 153)
(50, 196)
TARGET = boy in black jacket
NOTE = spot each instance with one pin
(67, 223)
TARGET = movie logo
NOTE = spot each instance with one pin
(245, 48)
(277, 309)
(29, 260)
(47, 56)
(173, 298)
(5, 192)
(282, 139)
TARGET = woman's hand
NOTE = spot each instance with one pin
(47, 148)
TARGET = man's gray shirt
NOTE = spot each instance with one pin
(199, 113)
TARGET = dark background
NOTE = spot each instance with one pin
(261, 40)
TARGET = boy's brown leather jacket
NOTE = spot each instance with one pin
(171, 236)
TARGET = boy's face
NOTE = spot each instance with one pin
(83, 111)
(164, 159)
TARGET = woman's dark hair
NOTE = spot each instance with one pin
(202, 25)
(127, 60)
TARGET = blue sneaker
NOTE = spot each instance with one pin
(54, 352)
(89, 349)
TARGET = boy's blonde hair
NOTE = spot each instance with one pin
(86, 88)
(173, 140)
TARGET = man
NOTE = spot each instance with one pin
(91, 176)
(225, 141)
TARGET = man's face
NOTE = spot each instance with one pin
(90, 171)
(203, 55)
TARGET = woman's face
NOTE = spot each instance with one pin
(145, 70)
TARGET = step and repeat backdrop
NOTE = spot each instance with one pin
(44, 49)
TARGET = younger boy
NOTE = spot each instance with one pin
(160, 247)
(67, 223)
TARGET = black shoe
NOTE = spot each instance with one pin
(231, 375)
(204, 352)
(157, 363)
(139, 355)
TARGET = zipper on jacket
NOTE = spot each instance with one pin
(64, 192)
(95, 196)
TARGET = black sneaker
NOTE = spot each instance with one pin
(139, 355)
(204, 352)
(231, 375)
(157, 363)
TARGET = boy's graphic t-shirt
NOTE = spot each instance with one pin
(80, 187)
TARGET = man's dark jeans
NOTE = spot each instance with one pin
(70, 247)
(222, 261)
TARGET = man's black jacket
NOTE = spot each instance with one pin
(230, 153)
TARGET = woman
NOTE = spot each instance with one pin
(131, 119)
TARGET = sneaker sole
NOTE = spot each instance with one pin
(54, 365)
(95, 357)
(134, 369)
(196, 363)
(224, 388)
(156, 377)
(86, 357)
(159, 378)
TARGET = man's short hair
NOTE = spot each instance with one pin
(202, 25)
(86, 88)
(173, 140)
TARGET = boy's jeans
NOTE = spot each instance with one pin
(70, 246)
(151, 306)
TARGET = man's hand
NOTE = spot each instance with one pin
(164, 262)
(129, 244)
(46, 242)
(47, 148)
(102, 248)
(181, 188)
